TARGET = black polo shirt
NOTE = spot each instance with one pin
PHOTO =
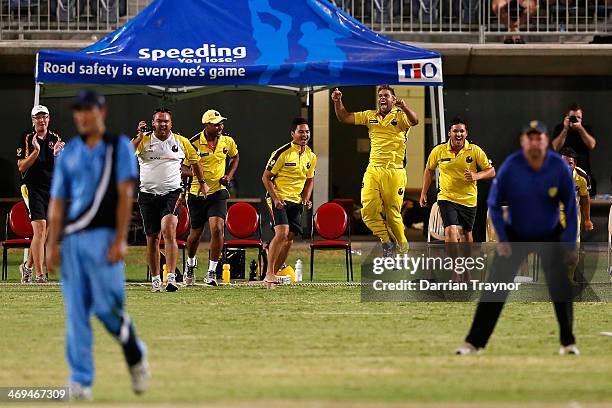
(40, 173)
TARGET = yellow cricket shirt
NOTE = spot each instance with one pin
(453, 185)
(213, 161)
(290, 170)
(160, 162)
(388, 137)
(582, 189)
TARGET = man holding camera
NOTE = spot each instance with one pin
(160, 155)
(573, 133)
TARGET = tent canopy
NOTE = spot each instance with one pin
(279, 43)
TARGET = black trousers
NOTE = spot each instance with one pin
(504, 269)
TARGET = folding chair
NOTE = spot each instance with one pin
(19, 222)
(331, 222)
(243, 222)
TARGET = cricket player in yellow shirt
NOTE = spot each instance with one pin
(289, 181)
(461, 165)
(583, 199)
(384, 181)
(214, 149)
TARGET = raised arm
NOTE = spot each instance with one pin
(342, 114)
(412, 116)
(24, 164)
(136, 141)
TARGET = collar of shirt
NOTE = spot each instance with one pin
(170, 136)
(298, 148)
(393, 110)
(466, 146)
(204, 142)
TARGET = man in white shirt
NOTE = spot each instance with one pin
(160, 154)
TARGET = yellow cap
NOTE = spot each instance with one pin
(212, 116)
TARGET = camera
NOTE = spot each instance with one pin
(144, 129)
(573, 119)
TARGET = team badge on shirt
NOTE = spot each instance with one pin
(400, 191)
(225, 150)
(552, 192)
(469, 159)
(19, 150)
(308, 165)
(394, 122)
(175, 148)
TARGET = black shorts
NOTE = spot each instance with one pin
(290, 215)
(202, 208)
(457, 214)
(37, 200)
(154, 207)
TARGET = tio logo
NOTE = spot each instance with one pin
(411, 70)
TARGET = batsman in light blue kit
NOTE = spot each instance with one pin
(91, 205)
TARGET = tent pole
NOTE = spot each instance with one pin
(37, 93)
(441, 110)
(434, 115)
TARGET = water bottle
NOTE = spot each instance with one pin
(298, 270)
(165, 273)
(225, 277)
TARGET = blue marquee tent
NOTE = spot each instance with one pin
(201, 46)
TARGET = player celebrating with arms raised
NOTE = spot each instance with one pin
(382, 189)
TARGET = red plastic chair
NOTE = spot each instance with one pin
(19, 222)
(182, 227)
(331, 222)
(243, 222)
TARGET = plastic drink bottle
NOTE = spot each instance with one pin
(298, 270)
(225, 277)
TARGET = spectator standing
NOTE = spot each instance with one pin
(580, 137)
(36, 153)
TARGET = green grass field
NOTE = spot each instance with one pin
(311, 346)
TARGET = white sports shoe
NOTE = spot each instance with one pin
(171, 284)
(156, 285)
(569, 350)
(211, 278)
(466, 349)
(77, 391)
(190, 274)
(26, 273)
(140, 375)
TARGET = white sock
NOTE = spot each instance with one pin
(212, 265)
(192, 261)
(156, 278)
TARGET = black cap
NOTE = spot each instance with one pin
(88, 99)
(535, 126)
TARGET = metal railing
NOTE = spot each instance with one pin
(60, 19)
(479, 20)
(426, 20)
